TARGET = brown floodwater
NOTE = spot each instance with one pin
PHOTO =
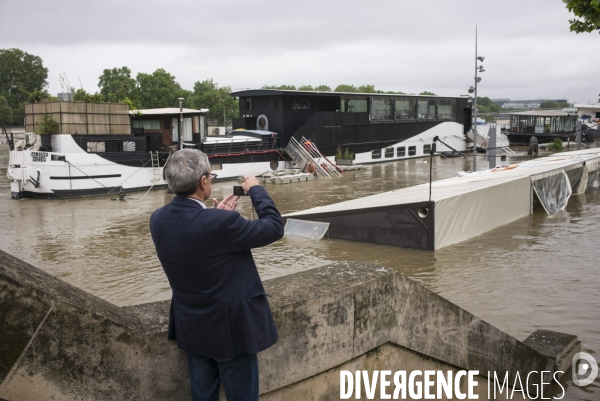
(538, 272)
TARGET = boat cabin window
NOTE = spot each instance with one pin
(445, 109)
(376, 154)
(426, 109)
(354, 105)
(412, 150)
(381, 108)
(146, 124)
(248, 103)
(389, 152)
(401, 152)
(406, 109)
(426, 149)
(126, 146)
(96, 147)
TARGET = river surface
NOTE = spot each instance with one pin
(538, 272)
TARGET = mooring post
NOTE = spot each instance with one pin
(491, 145)
(578, 135)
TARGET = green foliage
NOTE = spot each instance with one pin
(208, 95)
(345, 155)
(427, 93)
(549, 104)
(484, 101)
(556, 145)
(280, 87)
(588, 12)
(320, 88)
(367, 89)
(117, 84)
(6, 111)
(158, 89)
(80, 95)
(345, 88)
(47, 126)
(38, 96)
(20, 74)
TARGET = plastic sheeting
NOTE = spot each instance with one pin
(305, 229)
(553, 190)
(589, 179)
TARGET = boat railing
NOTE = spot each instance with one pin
(305, 153)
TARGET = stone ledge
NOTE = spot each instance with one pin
(70, 345)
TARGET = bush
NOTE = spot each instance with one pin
(556, 145)
(47, 126)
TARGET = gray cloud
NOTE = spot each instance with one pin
(395, 45)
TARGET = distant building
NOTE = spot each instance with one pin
(65, 97)
(523, 104)
(588, 110)
(166, 121)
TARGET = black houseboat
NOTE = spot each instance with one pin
(374, 126)
(545, 125)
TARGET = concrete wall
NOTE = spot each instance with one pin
(58, 342)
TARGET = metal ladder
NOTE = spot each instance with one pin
(155, 165)
(305, 152)
(501, 141)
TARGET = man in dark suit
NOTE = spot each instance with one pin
(219, 311)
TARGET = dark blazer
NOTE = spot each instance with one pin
(219, 307)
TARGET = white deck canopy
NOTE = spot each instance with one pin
(461, 207)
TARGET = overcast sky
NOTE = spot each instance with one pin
(399, 45)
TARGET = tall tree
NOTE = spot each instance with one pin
(117, 84)
(345, 88)
(21, 73)
(280, 87)
(549, 104)
(588, 12)
(158, 89)
(208, 95)
(367, 89)
(6, 111)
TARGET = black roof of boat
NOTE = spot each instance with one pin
(274, 92)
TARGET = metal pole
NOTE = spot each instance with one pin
(475, 110)
(578, 135)
(492, 145)
(180, 136)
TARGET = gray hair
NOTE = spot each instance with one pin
(184, 170)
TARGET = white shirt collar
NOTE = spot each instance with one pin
(201, 203)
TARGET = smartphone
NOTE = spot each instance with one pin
(239, 191)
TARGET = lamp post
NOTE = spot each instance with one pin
(180, 123)
(474, 90)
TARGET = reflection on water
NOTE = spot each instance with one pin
(537, 272)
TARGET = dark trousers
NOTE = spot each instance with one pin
(239, 377)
